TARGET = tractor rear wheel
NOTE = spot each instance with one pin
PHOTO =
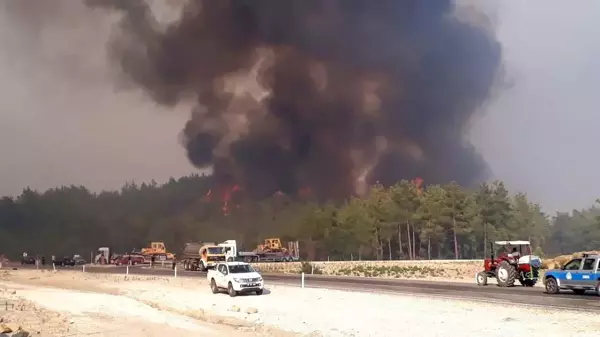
(481, 278)
(506, 274)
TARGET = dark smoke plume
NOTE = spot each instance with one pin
(326, 94)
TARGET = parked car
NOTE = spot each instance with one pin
(28, 260)
(79, 260)
(124, 259)
(65, 261)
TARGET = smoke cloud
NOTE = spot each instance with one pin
(331, 95)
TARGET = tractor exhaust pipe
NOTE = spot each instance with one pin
(492, 252)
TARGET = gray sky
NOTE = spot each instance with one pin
(63, 122)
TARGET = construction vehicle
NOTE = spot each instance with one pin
(271, 251)
(201, 255)
(103, 256)
(157, 249)
(518, 264)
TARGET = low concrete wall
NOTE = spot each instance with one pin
(420, 269)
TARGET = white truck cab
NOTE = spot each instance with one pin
(232, 253)
(235, 277)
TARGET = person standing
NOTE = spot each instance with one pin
(174, 262)
(152, 258)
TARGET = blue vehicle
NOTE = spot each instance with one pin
(578, 275)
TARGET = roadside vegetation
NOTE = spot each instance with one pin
(408, 220)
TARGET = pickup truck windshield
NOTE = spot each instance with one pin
(244, 268)
(215, 250)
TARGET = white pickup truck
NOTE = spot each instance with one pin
(235, 277)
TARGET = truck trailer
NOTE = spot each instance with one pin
(263, 253)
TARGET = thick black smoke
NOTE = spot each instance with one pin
(329, 94)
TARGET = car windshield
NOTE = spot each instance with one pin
(241, 268)
(215, 250)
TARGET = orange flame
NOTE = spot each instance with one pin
(305, 192)
(418, 181)
(227, 196)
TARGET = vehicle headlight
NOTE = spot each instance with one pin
(237, 280)
(260, 279)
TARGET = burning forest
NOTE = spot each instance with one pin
(310, 96)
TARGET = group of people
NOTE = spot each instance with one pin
(37, 259)
(153, 260)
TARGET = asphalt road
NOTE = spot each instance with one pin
(451, 290)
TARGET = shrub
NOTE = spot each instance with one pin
(307, 268)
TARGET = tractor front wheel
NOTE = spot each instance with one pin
(506, 274)
(481, 278)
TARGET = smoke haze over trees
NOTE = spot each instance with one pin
(402, 221)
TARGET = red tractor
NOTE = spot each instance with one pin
(514, 262)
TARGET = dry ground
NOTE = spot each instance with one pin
(159, 305)
(72, 304)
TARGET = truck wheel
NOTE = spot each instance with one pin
(481, 278)
(259, 292)
(230, 259)
(552, 286)
(230, 290)
(213, 286)
(202, 266)
(506, 274)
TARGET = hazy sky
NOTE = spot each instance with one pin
(62, 121)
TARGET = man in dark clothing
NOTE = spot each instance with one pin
(152, 261)
(174, 262)
(43, 261)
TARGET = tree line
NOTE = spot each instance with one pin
(403, 221)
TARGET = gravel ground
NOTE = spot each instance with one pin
(65, 304)
(321, 312)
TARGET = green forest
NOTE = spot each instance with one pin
(404, 221)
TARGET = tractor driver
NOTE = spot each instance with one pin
(515, 253)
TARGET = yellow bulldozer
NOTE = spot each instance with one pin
(157, 248)
(272, 245)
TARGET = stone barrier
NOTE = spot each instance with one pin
(419, 269)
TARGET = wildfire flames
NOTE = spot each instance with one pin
(225, 197)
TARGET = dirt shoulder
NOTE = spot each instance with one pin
(63, 303)
(141, 305)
